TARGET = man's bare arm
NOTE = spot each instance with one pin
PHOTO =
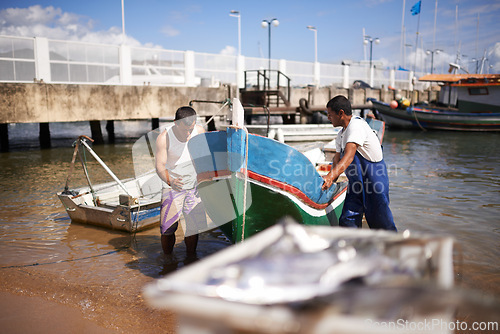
(161, 157)
(339, 165)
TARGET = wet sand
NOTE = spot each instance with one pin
(46, 298)
(103, 294)
(37, 301)
(22, 314)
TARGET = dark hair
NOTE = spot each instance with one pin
(340, 102)
(184, 112)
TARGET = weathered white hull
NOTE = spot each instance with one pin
(109, 207)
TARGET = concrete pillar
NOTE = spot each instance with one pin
(44, 135)
(211, 124)
(345, 81)
(110, 129)
(125, 65)
(155, 123)
(95, 129)
(371, 76)
(189, 73)
(240, 71)
(4, 137)
(42, 59)
(317, 74)
(410, 80)
(392, 78)
(282, 66)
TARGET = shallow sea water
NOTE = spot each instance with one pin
(442, 183)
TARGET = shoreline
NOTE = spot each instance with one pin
(107, 302)
(40, 298)
(76, 306)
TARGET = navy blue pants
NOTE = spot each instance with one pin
(368, 193)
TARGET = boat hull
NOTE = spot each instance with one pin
(110, 208)
(436, 119)
(122, 218)
(245, 194)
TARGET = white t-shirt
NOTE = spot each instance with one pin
(359, 132)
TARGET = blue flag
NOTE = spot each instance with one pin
(415, 10)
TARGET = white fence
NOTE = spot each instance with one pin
(35, 59)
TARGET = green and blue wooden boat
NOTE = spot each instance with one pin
(249, 182)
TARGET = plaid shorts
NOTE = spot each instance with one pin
(187, 202)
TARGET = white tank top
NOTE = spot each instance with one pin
(179, 163)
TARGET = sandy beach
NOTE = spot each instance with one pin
(49, 298)
(35, 300)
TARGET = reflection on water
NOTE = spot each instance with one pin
(441, 183)
(448, 183)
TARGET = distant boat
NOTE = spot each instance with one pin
(128, 205)
(467, 102)
(249, 182)
(296, 132)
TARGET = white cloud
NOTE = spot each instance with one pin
(228, 51)
(170, 31)
(493, 59)
(33, 15)
(53, 23)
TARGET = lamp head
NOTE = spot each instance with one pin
(275, 22)
(264, 24)
(311, 28)
(377, 41)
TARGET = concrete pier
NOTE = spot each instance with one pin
(48, 103)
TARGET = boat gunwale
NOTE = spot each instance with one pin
(422, 110)
(273, 183)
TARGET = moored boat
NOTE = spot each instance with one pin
(467, 103)
(249, 182)
(128, 205)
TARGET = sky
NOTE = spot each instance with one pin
(471, 28)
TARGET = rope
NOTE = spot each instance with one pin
(413, 108)
(245, 185)
(86, 172)
(72, 166)
(415, 115)
(63, 261)
(226, 102)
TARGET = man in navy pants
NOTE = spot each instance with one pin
(359, 154)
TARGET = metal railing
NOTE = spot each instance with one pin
(25, 59)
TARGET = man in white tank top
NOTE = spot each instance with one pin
(175, 168)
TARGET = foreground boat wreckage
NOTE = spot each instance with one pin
(293, 278)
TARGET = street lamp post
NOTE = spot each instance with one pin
(370, 40)
(236, 13)
(267, 24)
(429, 52)
(315, 42)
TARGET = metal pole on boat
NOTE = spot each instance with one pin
(83, 141)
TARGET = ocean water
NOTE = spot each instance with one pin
(442, 183)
